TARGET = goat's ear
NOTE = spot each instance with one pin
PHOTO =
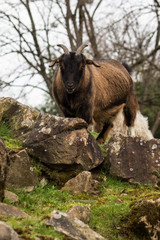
(52, 63)
(91, 62)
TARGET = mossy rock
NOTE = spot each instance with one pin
(144, 219)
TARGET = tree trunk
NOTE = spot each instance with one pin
(156, 122)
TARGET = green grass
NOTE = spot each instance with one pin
(95, 135)
(109, 208)
(9, 140)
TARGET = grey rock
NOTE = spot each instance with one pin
(67, 145)
(72, 227)
(7, 232)
(133, 159)
(12, 197)
(11, 211)
(83, 182)
(20, 172)
(80, 212)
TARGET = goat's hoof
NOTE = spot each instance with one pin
(129, 132)
(100, 140)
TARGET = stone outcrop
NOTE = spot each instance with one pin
(133, 159)
(83, 182)
(60, 143)
(20, 172)
(3, 168)
(21, 118)
(11, 211)
(72, 227)
(145, 218)
(7, 232)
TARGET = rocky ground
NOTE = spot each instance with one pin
(40, 149)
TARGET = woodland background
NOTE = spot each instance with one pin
(126, 31)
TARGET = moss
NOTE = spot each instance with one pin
(110, 209)
(95, 135)
(57, 176)
(156, 173)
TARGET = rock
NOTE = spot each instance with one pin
(3, 168)
(60, 143)
(72, 227)
(10, 196)
(133, 159)
(21, 117)
(20, 172)
(80, 212)
(67, 145)
(145, 219)
(11, 211)
(28, 189)
(83, 182)
(7, 232)
(43, 182)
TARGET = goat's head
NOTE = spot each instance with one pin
(72, 65)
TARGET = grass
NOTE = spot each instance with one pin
(95, 135)
(9, 140)
(109, 208)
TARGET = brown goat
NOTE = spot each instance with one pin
(94, 91)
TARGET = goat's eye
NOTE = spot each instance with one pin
(62, 65)
(81, 66)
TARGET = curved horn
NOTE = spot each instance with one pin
(66, 51)
(79, 50)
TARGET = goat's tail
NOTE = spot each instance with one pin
(129, 69)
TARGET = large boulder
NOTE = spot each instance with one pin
(63, 144)
(133, 159)
(144, 219)
(3, 168)
(60, 143)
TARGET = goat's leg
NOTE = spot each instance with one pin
(85, 112)
(130, 111)
(104, 133)
(131, 132)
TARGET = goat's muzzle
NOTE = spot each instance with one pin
(70, 88)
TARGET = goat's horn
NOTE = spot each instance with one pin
(64, 48)
(79, 50)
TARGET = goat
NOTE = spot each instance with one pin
(93, 90)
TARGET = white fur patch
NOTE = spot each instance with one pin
(140, 128)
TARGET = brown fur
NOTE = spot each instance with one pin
(102, 92)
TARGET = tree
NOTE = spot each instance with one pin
(34, 34)
(28, 40)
